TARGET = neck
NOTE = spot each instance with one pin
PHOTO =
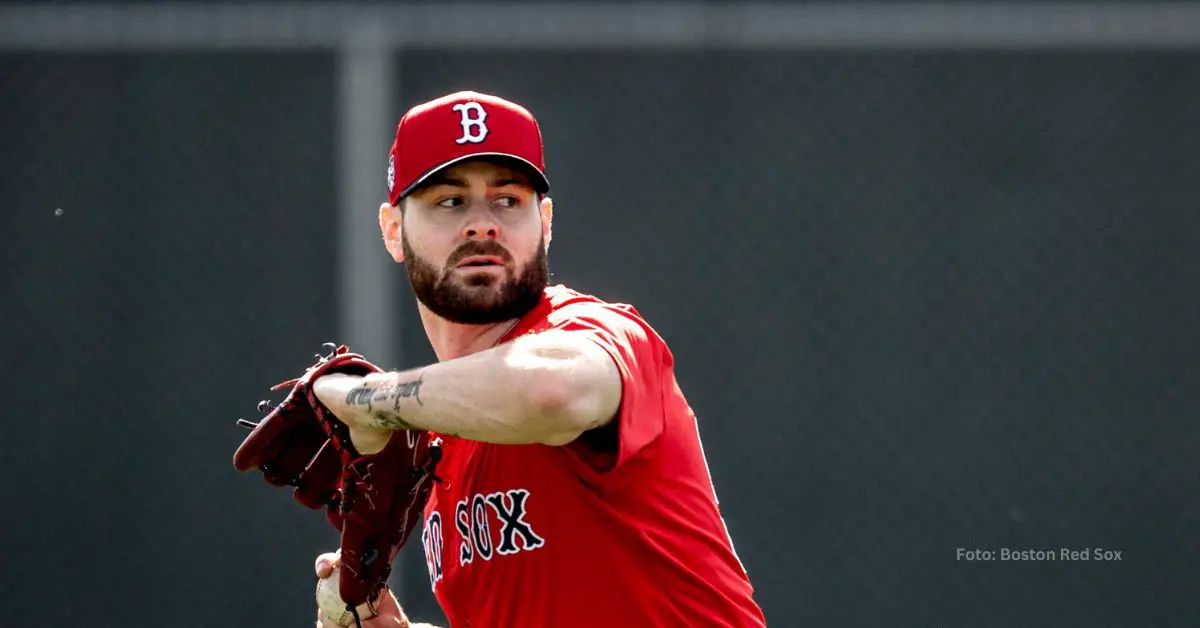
(454, 340)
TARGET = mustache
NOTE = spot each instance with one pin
(477, 247)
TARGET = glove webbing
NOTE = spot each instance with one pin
(340, 436)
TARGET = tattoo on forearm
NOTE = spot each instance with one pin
(382, 394)
(382, 402)
(388, 420)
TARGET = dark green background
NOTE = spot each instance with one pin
(919, 301)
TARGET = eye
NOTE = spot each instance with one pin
(450, 202)
(508, 202)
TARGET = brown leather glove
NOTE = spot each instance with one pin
(375, 500)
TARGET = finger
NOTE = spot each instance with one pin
(389, 613)
(327, 562)
(388, 604)
(325, 568)
(322, 623)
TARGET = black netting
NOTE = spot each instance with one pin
(919, 301)
(190, 268)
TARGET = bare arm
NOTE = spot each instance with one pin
(544, 388)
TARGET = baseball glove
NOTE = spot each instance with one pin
(375, 501)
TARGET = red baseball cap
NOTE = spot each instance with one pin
(457, 127)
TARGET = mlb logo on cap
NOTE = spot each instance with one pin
(457, 127)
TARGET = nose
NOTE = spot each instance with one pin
(481, 226)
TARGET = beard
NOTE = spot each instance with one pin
(481, 298)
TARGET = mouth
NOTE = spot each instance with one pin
(480, 261)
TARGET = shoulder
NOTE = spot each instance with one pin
(566, 303)
(564, 307)
(620, 322)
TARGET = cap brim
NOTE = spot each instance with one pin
(536, 178)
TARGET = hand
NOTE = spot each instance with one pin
(332, 391)
(389, 612)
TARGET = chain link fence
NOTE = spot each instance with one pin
(922, 302)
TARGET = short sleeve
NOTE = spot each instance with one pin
(641, 357)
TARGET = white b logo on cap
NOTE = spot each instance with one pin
(474, 130)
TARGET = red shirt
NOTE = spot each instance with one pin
(525, 536)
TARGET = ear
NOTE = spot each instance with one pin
(391, 229)
(547, 209)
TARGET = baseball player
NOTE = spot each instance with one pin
(572, 489)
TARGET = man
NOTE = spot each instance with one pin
(574, 490)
